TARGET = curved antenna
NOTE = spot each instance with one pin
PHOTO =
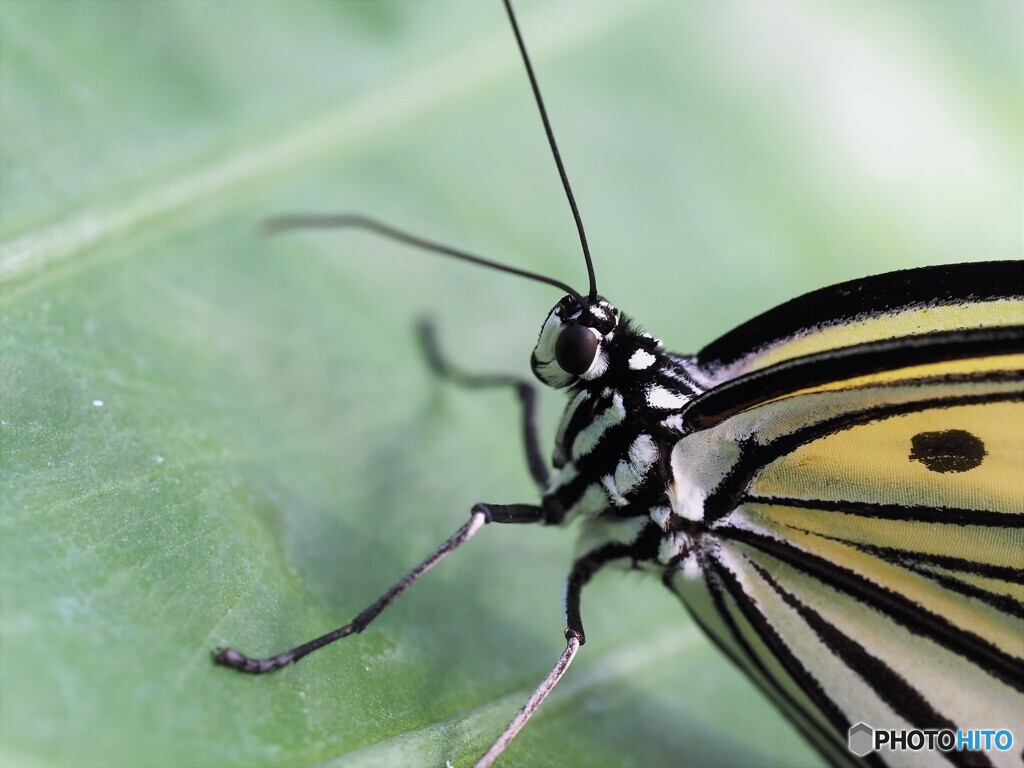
(554, 151)
(355, 221)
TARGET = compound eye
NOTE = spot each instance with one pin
(575, 349)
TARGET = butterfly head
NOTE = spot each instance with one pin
(573, 342)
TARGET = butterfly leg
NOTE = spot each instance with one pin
(526, 392)
(582, 571)
(482, 514)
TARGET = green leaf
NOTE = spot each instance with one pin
(209, 437)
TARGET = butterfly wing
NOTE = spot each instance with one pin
(896, 305)
(850, 521)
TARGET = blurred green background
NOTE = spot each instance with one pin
(209, 437)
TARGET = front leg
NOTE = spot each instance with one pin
(524, 389)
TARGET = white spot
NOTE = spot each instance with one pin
(688, 501)
(643, 453)
(664, 399)
(691, 568)
(158, 459)
(590, 436)
(592, 501)
(598, 367)
(98, 403)
(611, 488)
(630, 472)
(574, 405)
(673, 422)
(660, 516)
(673, 546)
(676, 372)
(562, 477)
(641, 359)
(627, 478)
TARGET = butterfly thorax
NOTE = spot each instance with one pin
(613, 445)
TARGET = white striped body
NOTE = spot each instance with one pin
(837, 496)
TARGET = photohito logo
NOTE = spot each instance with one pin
(863, 739)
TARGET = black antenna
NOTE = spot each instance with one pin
(554, 151)
(355, 221)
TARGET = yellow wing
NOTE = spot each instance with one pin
(859, 547)
(901, 304)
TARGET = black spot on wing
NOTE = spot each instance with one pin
(954, 450)
(753, 457)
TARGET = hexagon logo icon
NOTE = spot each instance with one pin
(861, 739)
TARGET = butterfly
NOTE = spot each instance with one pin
(834, 490)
